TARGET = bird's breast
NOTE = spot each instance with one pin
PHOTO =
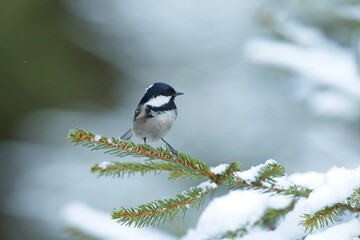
(165, 117)
(155, 127)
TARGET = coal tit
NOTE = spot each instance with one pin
(155, 114)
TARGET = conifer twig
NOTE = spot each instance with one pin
(119, 169)
(122, 148)
(324, 216)
(332, 213)
(297, 190)
(269, 171)
(155, 212)
(256, 185)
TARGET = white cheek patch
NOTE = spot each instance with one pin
(158, 101)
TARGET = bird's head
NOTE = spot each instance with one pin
(159, 94)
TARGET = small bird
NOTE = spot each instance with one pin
(155, 114)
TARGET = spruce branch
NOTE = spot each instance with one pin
(119, 169)
(123, 148)
(324, 216)
(155, 212)
(177, 166)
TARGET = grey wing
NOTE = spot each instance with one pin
(139, 112)
(127, 135)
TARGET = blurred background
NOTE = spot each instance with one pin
(262, 79)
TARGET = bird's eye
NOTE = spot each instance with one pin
(170, 92)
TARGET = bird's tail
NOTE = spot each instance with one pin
(127, 135)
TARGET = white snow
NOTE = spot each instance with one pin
(97, 137)
(104, 165)
(219, 169)
(208, 184)
(100, 225)
(343, 231)
(309, 179)
(235, 210)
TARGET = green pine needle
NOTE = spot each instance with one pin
(270, 171)
(231, 170)
(228, 176)
(159, 211)
(118, 169)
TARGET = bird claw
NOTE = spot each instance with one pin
(173, 150)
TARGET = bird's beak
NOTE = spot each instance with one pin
(179, 93)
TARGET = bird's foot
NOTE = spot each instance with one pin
(173, 150)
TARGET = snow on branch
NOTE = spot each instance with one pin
(333, 205)
(263, 197)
